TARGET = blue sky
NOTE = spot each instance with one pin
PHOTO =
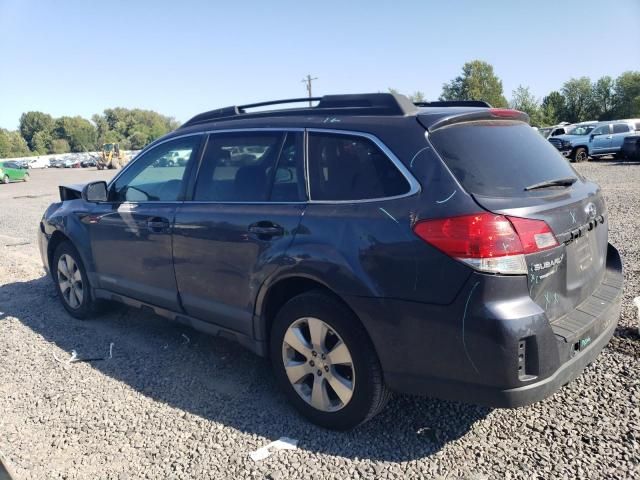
(183, 57)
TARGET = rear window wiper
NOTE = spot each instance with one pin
(558, 182)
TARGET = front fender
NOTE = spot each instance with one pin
(68, 219)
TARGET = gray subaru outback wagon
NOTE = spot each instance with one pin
(365, 244)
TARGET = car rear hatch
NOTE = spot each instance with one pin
(506, 166)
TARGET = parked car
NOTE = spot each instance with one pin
(39, 162)
(556, 130)
(573, 144)
(604, 138)
(631, 147)
(88, 162)
(446, 250)
(12, 172)
(70, 162)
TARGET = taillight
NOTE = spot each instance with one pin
(486, 241)
(535, 235)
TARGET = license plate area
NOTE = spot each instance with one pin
(584, 252)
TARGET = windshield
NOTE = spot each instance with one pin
(498, 158)
(107, 147)
(585, 130)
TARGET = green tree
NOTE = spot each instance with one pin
(627, 95)
(477, 82)
(60, 145)
(602, 102)
(577, 97)
(79, 132)
(130, 127)
(5, 144)
(33, 122)
(41, 142)
(12, 144)
(522, 99)
(416, 96)
(137, 140)
(553, 108)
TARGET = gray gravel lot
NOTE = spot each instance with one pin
(166, 406)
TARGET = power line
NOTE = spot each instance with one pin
(308, 81)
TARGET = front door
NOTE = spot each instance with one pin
(131, 234)
(247, 204)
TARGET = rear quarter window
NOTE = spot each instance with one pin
(620, 128)
(348, 167)
(499, 158)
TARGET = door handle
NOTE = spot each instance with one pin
(266, 229)
(157, 224)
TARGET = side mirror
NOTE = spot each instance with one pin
(95, 192)
(592, 136)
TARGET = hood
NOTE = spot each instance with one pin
(569, 137)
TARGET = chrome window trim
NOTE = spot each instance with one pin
(414, 186)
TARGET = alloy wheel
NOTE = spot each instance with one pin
(318, 364)
(70, 281)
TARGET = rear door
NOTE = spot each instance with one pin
(247, 203)
(620, 131)
(496, 161)
(600, 140)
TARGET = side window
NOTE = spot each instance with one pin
(620, 128)
(158, 174)
(346, 167)
(602, 130)
(251, 167)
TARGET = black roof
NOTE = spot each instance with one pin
(370, 104)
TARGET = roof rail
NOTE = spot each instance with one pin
(352, 104)
(454, 103)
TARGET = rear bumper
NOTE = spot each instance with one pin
(509, 397)
(470, 350)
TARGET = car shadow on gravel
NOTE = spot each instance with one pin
(219, 381)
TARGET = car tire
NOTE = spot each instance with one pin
(25, 178)
(72, 282)
(355, 370)
(5, 179)
(580, 155)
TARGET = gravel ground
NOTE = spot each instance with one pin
(173, 403)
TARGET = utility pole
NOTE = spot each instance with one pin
(308, 81)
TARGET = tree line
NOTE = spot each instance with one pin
(578, 100)
(39, 133)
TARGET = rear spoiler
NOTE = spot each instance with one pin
(433, 122)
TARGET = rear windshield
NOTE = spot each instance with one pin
(499, 158)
